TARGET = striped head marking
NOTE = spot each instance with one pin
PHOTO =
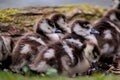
(46, 26)
(81, 27)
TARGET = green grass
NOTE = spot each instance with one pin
(14, 76)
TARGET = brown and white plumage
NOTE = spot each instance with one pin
(6, 47)
(61, 24)
(29, 45)
(108, 40)
(70, 56)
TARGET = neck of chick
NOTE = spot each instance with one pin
(53, 36)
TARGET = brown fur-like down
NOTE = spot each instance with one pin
(29, 45)
(6, 45)
(78, 37)
(25, 50)
(116, 4)
(50, 35)
(116, 9)
(108, 39)
(61, 24)
(66, 57)
(113, 15)
(37, 24)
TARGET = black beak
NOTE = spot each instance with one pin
(93, 31)
(58, 31)
(95, 65)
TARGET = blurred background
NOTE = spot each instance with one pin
(23, 14)
(25, 3)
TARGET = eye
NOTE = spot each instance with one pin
(86, 26)
(50, 23)
(95, 55)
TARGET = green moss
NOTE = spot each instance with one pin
(5, 15)
(4, 18)
(9, 11)
(8, 17)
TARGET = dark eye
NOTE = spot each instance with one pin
(95, 55)
(86, 26)
(50, 23)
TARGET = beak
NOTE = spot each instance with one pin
(95, 65)
(93, 31)
(58, 31)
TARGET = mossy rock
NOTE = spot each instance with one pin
(11, 17)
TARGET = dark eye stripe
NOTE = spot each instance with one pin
(94, 54)
(50, 23)
(86, 27)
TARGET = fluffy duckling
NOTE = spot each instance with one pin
(116, 4)
(46, 28)
(61, 25)
(67, 58)
(70, 56)
(6, 46)
(29, 45)
(113, 15)
(81, 30)
(108, 40)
